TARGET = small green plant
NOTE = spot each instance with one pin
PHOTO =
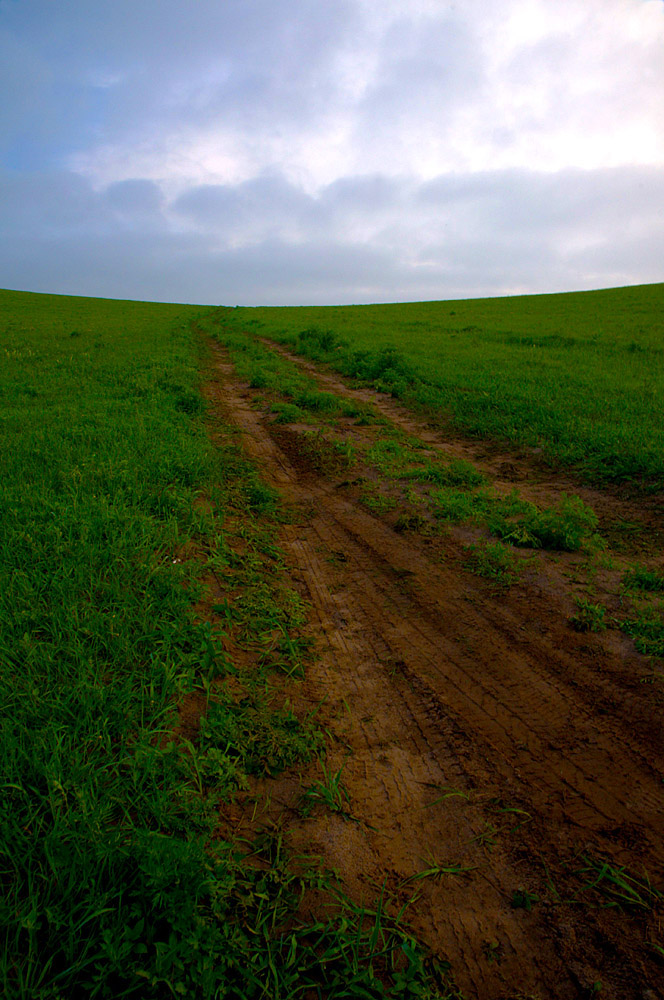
(456, 473)
(495, 561)
(647, 630)
(566, 527)
(288, 413)
(346, 451)
(325, 456)
(448, 793)
(487, 837)
(522, 899)
(390, 455)
(330, 792)
(589, 617)
(458, 506)
(437, 870)
(315, 339)
(413, 522)
(378, 503)
(617, 886)
(657, 949)
(492, 950)
(521, 816)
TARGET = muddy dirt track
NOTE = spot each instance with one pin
(477, 731)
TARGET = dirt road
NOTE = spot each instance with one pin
(482, 740)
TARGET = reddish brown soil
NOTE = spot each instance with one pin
(475, 728)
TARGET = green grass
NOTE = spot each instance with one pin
(263, 369)
(642, 578)
(428, 494)
(567, 527)
(330, 792)
(614, 885)
(589, 617)
(643, 588)
(522, 899)
(578, 375)
(494, 561)
(114, 504)
(647, 630)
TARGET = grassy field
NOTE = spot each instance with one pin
(115, 505)
(579, 376)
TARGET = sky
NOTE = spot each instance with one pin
(286, 152)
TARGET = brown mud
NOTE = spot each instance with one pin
(482, 740)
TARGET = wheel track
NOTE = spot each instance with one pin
(544, 700)
(450, 722)
(615, 693)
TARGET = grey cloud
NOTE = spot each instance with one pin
(47, 202)
(261, 202)
(146, 64)
(56, 204)
(179, 269)
(427, 69)
(429, 63)
(153, 267)
(135, 198)
(364, 194)
(601, 201)
(361, 239)
(622, 261)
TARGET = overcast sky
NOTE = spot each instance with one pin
(330, 151)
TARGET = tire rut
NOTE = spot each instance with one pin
(456, 713)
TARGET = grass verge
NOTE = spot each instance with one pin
(115, 510)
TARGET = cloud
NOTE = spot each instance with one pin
(327, 90)
(351, 151)
(137, 199)
(363, 238)
(262, 208)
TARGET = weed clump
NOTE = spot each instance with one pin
(647, 630)
(455, 473)
(566, 527)
(641, 578)
(256, 738)
(494, 561)
(589, 617)
(315, 342)
(385, 369)
(616, 886)
(288, 413)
